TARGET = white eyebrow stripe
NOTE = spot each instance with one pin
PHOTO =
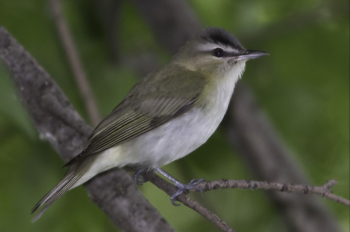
(210, 46)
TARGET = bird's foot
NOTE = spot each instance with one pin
(182, 187)
(139, 179)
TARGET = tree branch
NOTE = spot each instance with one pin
(323, 190)
(249, 131)
(58, 122)
(75, 63)
(187, 201)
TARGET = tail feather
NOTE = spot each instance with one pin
(61, 188)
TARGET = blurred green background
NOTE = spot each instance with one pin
(303, 87)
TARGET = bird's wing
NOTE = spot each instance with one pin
(147, 106)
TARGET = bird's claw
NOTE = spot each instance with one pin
(139, 179)
(173, 197)
(182, 187)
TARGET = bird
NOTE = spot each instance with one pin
(168, 114)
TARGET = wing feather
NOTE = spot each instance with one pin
(145, 108)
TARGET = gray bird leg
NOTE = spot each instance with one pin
(181, 187)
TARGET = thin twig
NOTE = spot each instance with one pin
(187, 201)
(74, 61)
(250, 132)
(323, 190)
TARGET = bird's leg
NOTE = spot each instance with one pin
(139, 180)
(181, 187)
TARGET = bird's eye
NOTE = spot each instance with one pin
(218, 52)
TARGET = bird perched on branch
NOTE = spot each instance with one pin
(165, 116)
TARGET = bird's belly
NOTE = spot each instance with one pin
(162, 145)
(176, 138)
(172, 140)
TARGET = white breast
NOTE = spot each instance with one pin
(174, 139)
(184, 134)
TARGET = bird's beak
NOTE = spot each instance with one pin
(251, 54)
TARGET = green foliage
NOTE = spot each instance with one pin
(303, 86)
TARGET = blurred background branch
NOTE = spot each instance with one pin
(74, 61)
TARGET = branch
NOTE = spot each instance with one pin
(250, 132)
(74, 61)
(323, 190)
(187, 201)
(58, 122)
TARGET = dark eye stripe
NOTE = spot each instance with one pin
(225, 54)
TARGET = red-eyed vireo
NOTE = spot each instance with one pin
(165, 116)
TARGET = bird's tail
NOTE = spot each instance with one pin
(72, 176)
